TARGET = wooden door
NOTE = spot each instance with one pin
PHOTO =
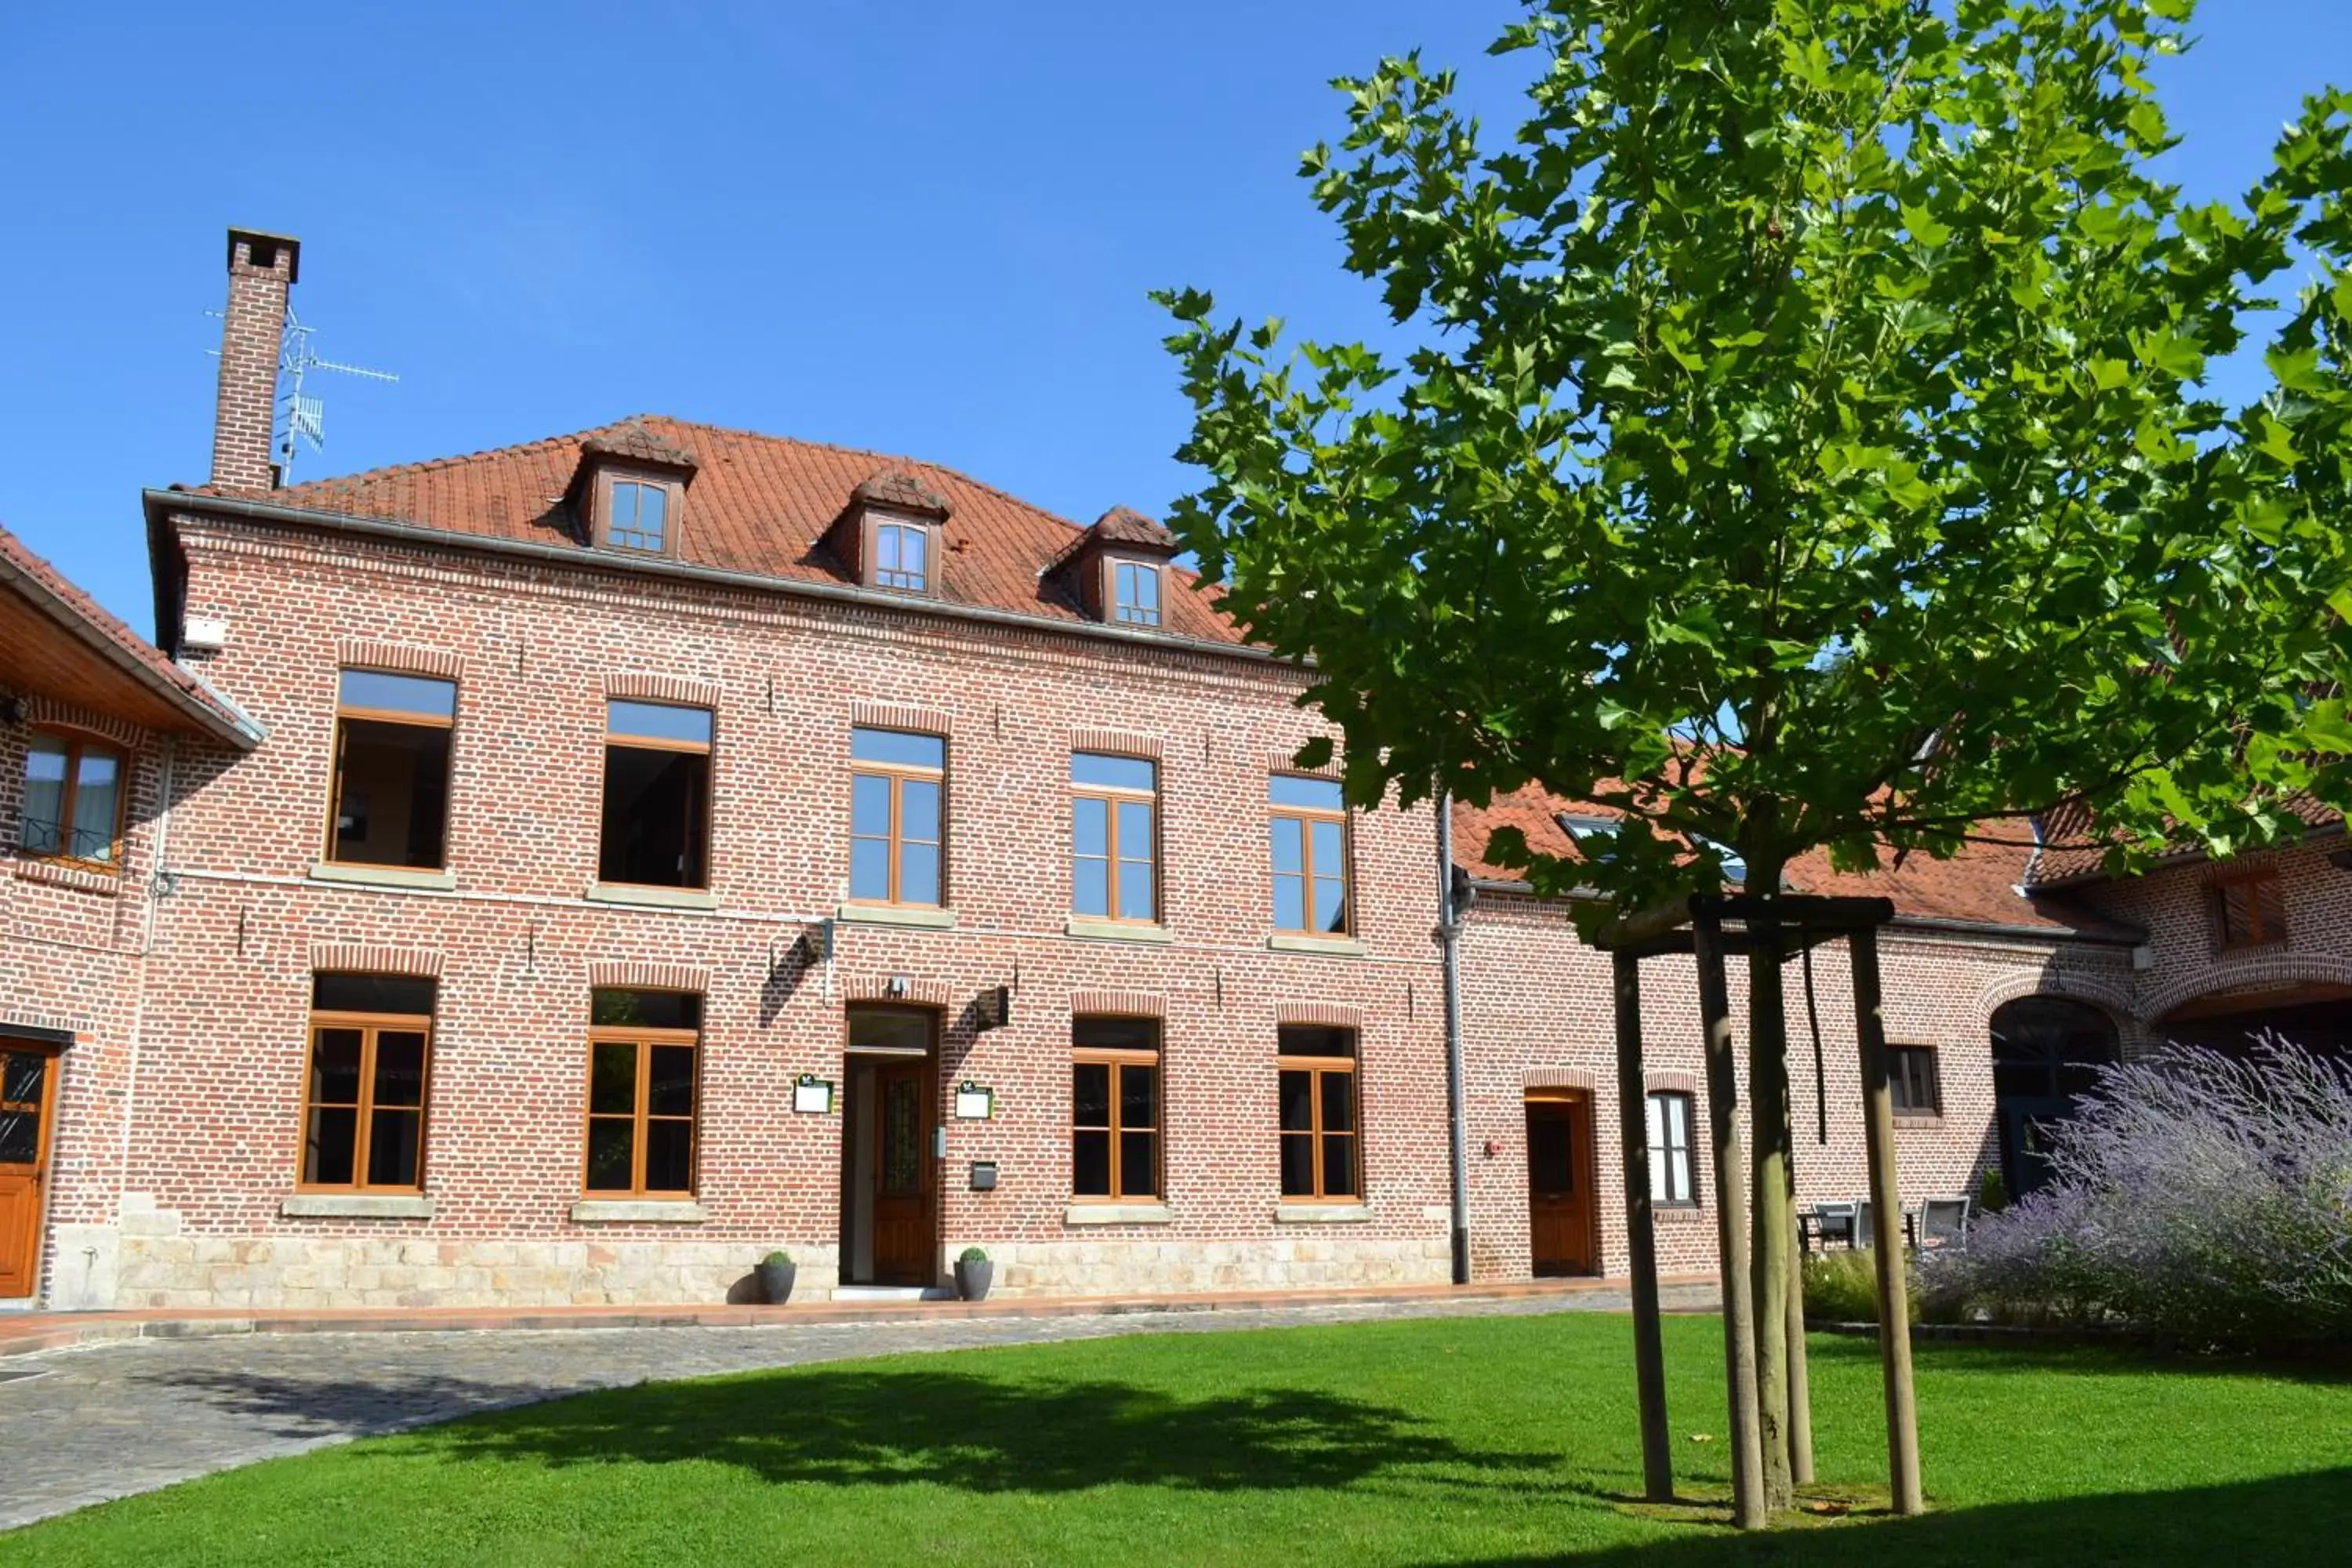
(1560, 1212)
(903, 1245)
(28, 1093)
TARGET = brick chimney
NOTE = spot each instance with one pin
(261, 269)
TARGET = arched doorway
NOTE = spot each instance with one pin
(2314, 1014)
(2045, 1051)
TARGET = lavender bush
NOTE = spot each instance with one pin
(2200, 1197)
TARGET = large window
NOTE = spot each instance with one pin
(897, 786)
(1114, 1108)
(363, 1096)
(1669, 1114)
(1135, 594)
(1913, 1080)
(637, 516)
(1310, 854)
(902, 554)
(642, 1047)
(2249, 909)
(657, 829)
(73, 800)
(1113, 837)
(1317, 1114)
(392, 769)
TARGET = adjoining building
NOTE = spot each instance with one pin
(564, 872)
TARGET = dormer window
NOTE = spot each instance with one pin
(902, 556)
(1135, 593)
(637, 516)
(630, 489)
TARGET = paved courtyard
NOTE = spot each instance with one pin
(83, 1425)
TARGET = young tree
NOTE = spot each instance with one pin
(1806, 446)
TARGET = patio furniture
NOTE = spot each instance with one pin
(1835, 1223)
(1945, 1222)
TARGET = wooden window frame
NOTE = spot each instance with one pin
(709, 786)
(871, 550)
(1907, 1051)
(1111, 796)
(2256, 881)
(1318, 1069)
(640, 1119)
(1114, 567)
(1690, 1149)
(898, 774)
(1306, 817)
(1119, 1060)
(389, 716)
(77, 745)
(673, 511)
(370, 1025)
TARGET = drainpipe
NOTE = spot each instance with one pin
(1449, 947)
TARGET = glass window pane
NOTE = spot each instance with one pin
(612, 1078)
(1107, 772)
(392, 794)
(44, 796)
(899, 746)
(335, 1066)
(658, 721)
(393, 1148)
(1653, 1117)
(653, 514)
(1330, 858)
(1290, 904)
(611, 1151)
(417, 694)
(1091, 1094)
(1314, 1041)
(889, 1029)
(914, 545)
(1091, 888)
(1338, 1166)
(1134, 830)
(1139, 1165)
(918, 874)
(1135, 890)
(399, 994)
(918, 810)
(869, 806)
(1090, 825)
(869, 869)
(20, 1137)
(399, 1068)
(1296, 1094)
(1318, 795)
(1297, 1166)
(1110, 1032)
(1330, 904)
(1338, 1101)
(21, 1077)
(1139, 1095)
(331, 1146)
(1289, 844)
(669, 1156)
(97, 793)
(1090, 1165)
(647, 1009)
(669, 1083)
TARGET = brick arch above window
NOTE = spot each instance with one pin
(900, 716)
(1336, 1014)
(1126, 1003)
(1670, 1082)
(1117, 743)
(2115, 1003)
(639, 974)
(401, 658)
(370, 957)
(643, 686)
(918, 994)
(49, 713)
(1557, 1078)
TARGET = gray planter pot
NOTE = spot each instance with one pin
(776, 1281)
(972, 1280)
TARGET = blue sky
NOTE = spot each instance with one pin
(924, 227)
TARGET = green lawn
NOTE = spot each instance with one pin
(1488, 1441)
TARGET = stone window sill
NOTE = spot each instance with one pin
(650, 898)
(914, 918)
(1322, 1214)
(1300, 942)
(1118, 1213)
(1091, 929)
(356, 1205)
(62, 874)
(385, 876)
(643, 1211)
(1676, 1214)
(1919, 1119)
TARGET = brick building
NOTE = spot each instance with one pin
(564, 873)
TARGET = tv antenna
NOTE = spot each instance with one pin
(302, 417)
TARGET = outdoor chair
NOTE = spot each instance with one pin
(1836, 1221)
(1945, 1221)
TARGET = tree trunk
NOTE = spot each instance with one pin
(1747, 1509)
(1641, 1242)
(1800, 1378)
(1773, 1241)
(1886, 1217)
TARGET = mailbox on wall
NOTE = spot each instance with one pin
(983, 1175)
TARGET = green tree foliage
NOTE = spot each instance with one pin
(1807, 443)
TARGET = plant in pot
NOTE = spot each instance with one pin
(974, 1274)
(776, 1272)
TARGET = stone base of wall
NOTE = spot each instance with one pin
(1118, 1267)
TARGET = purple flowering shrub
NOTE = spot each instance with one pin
(2201, 1197)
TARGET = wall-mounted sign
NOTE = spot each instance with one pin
(812, 1096)
(974, 1102)
(993, 1009)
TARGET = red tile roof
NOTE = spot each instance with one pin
(756, 504)
(1978, 886)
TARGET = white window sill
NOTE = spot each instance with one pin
(384, 876)
(915, 917)
(643, 1211)
(356, 1205)
(650, 898)
(1906, 1121)
(1118, 1213)
(1089, 929)
(1300, 941)
(1676, 1214)
(1322, 1214)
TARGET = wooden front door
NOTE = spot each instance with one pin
(1560, 1185)
(28, 1093)
(903, 1230)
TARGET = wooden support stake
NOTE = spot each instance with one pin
(1731, 1230)
(1886, 1225)
(1800, 1377)
(1641, 1241)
